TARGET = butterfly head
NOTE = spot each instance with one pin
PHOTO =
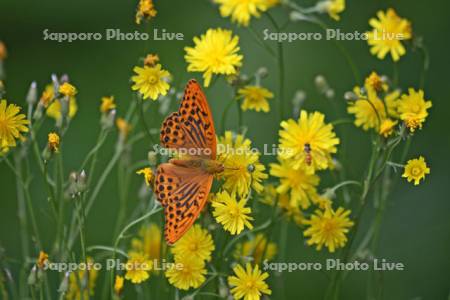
(213, 166)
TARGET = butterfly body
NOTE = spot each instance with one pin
(182, 185)
(209, 166)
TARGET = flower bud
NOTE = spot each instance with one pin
(64, 78)
(55, 82)
(152, 157)
(64, 286)
(321, 84)
(32, 276)
(329, 94)
(350, 96)
(82, 182)
(262, 72)
(329, 194)
(32, 94)
(297, 102)
(107, 119)
(296, 16)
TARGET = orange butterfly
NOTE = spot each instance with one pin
(182, 185)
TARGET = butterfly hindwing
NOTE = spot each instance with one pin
(183, 193)
(192, 126)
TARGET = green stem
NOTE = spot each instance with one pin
(281, 72)
(426, 65)
(140, 103)
(223, 119)
(106, 248)
(345, 183)
(51, 193)
(28, 203)
(80, 214)
(240, 115)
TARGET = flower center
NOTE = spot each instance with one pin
(152, 79)
(416, 108)
(329, 226)
(250, 284)
(235, 212)
(415, 171)
(193, 247)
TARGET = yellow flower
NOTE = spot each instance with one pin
(322, 201)
(53, 142)
(249, 283)
(309, 142)
(187, 272)
(148, 175)
(241, 11)
(151, 60)
(42, 259)
(328, 228)
(82, 283)
(255, 98)
(151, 81)
(123, 127)
(138, 267)
(215, 52)
(387, 127)
(391, 99)
(333, 8)
(197, 242)
(67, 89)
(108, 104)
(413, 109)
(3, 51)
(242, 167)
(256, 248)
(416, 169)
(118, 284)
(299, 184)
(148, 241)
(375, 82)
(231, 213)
(370, 110)
(388, 32)
(12, 125)
(54, 109)
(47, 95)
(145, 10)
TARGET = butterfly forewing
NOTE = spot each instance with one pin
(192, 126)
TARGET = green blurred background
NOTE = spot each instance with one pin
(416, 228)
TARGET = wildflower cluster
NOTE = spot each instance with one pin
(228, 212)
